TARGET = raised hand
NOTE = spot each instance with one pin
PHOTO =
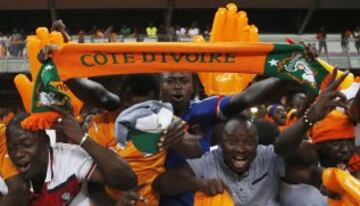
(132, 197)
(328, 99)
(173, 135)
(68, 125)
(310, 51)
(58, 25)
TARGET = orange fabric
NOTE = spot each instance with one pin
(229, 25)
(344, 184)
(336, 125)
(223, 199)
(7, 118)
(354, 163)
(101, 129)
(7, 168)
(40, 121)
(114, 58)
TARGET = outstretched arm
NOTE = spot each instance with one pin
(111, 168)
(93, 93)
(329, 99)
(256, 94)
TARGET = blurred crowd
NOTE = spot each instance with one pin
(346, 36)
(13, 45)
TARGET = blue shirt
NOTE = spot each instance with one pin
(206, 113)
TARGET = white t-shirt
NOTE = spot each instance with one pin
(68, 168)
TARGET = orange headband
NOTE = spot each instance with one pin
(336, 125)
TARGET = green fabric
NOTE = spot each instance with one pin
(145, 141)
(288, 62)
(44, 92)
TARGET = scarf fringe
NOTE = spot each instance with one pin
(40, 121)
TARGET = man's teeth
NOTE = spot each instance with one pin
(242, 158)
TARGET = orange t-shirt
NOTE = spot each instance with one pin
(102, 130)
(7, 168)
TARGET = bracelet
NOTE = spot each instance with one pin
(306, 119)
(83, 139)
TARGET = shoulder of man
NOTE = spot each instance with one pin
(67, 149)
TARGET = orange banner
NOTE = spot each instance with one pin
(88, 60)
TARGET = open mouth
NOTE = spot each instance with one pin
(239, 161)
(23, 167)
(178, 97)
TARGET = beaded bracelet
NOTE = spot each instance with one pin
(306, 119)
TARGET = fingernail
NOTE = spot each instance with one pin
(162, 139)
(159, 145)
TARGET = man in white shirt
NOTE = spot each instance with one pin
(56, 173)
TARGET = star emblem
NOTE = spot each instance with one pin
(273, 62)
(49, 67)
